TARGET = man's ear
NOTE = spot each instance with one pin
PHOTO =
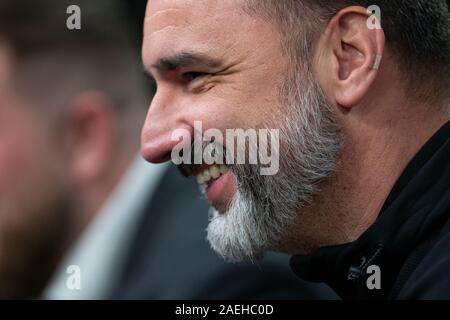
(348, 56)
(91, 137)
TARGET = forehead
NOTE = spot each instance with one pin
(176, 13)
(213, 27)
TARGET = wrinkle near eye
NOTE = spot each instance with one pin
(200, 85)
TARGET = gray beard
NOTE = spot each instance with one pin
(264, 206)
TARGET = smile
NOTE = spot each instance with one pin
(218, 184)
(211, 173)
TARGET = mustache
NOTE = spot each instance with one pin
(208, 147)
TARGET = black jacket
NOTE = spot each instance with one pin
(409, 242)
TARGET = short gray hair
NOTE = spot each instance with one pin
(417, 31)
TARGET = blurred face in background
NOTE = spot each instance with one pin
(71, 109)
(34, 197)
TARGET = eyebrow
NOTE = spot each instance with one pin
(186, 59)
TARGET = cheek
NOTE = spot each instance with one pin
(16, 162)
(24, 163)
(252, 104)
(233, 109)
(28, 186)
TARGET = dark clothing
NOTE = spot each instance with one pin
(409, 242)
(171, 259)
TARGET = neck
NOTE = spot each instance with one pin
(375, 154)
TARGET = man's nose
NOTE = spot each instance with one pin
(156, 139)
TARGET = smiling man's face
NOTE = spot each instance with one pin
(211, 61)
(214, 63)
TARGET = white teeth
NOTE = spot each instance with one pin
(214, 171)
(206, 176)
(223, 169)
(211, 173)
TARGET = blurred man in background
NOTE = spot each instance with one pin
(74, 198)
(69, 103)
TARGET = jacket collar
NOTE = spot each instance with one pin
(417, 205)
